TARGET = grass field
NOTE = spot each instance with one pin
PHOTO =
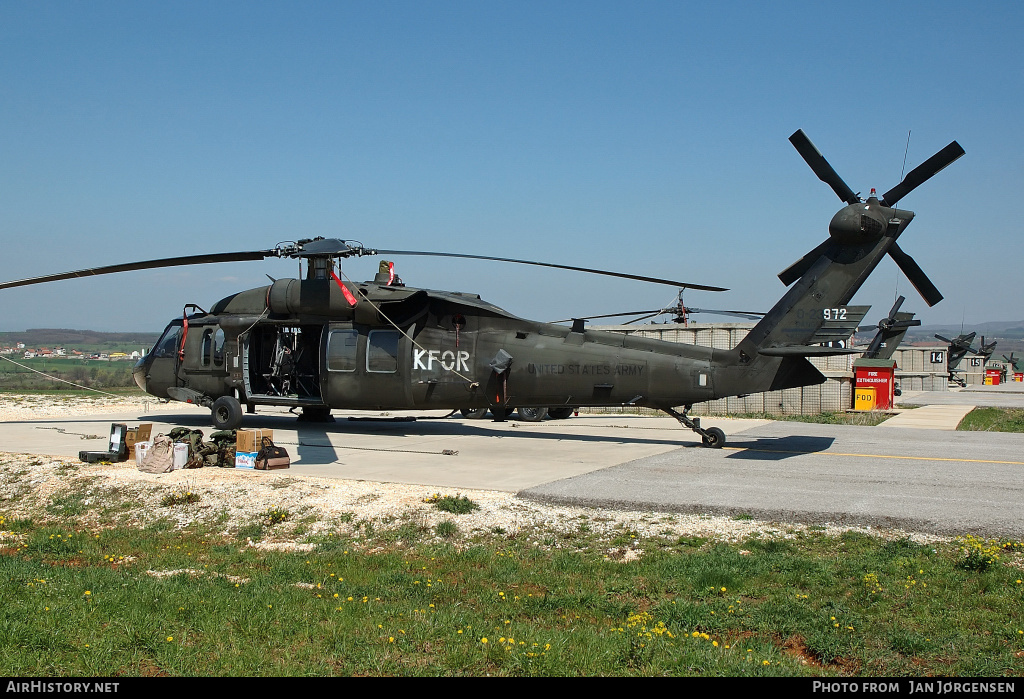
(994, 420)
(397, 598)
(32, 374)
(160, 601)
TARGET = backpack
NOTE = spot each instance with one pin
(198, 450)
(160, 457)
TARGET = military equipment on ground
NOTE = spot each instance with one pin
(324, 342)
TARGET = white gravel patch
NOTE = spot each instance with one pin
(17, 407)
(105, 495)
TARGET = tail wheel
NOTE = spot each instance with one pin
(715, 438)
(227, 413)
(532, 414)
(478, 414)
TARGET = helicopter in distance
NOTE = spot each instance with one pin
(678, 310)
(890, 332)
(324, 342)
(958, 348)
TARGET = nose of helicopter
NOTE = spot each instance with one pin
(139, 373)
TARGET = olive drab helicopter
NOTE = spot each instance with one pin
(325, 342)
(958, 348)
(890, 332)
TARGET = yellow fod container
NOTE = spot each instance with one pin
(864, 398)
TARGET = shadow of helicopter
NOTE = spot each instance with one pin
(779, 448)
(314, 447)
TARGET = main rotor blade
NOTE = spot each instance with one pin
(148, 264)
(637, 320)
(653, 280)
(750, 315)
(615, 315)
(915, 274)
(813, 157)
(922, 173)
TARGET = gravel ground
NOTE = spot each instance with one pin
(230, 500)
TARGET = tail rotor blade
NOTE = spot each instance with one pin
(896, 307)
(813, 157)
(798, 268)
(916, 275)
(922, 173)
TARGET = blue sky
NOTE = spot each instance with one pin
(645, 137)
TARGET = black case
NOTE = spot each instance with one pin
(117, 449)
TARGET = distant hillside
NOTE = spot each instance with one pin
(1008, 335)
(79, 339)
(1009, 330)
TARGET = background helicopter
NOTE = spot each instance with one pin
(1013, 361)
(958, 348)
(325, 342)
(680, 313)
(890, 332)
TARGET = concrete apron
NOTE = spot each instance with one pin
(434, 451)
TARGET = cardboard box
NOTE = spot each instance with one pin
(142, 433)
(251, 440)
(247, 446)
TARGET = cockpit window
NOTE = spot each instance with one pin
(167, 345)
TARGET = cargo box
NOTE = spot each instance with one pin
(250, 440)
(142, 433)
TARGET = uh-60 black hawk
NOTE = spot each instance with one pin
(323, 342)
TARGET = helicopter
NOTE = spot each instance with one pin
(678, 310)
(890, 332)
(986, 349)
(1013, 362)
(959, 347)
(326, 342)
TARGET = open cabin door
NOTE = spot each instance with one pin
(281, 364)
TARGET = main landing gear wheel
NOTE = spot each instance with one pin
(559, 413)
(714, 438)
(710, 437)
(478, 414)
(532, 414)
(227, 413)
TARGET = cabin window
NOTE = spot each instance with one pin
(218, 347)
(341, 350)
(207, 351)
(382, 351)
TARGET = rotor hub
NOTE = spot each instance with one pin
(859, 223)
